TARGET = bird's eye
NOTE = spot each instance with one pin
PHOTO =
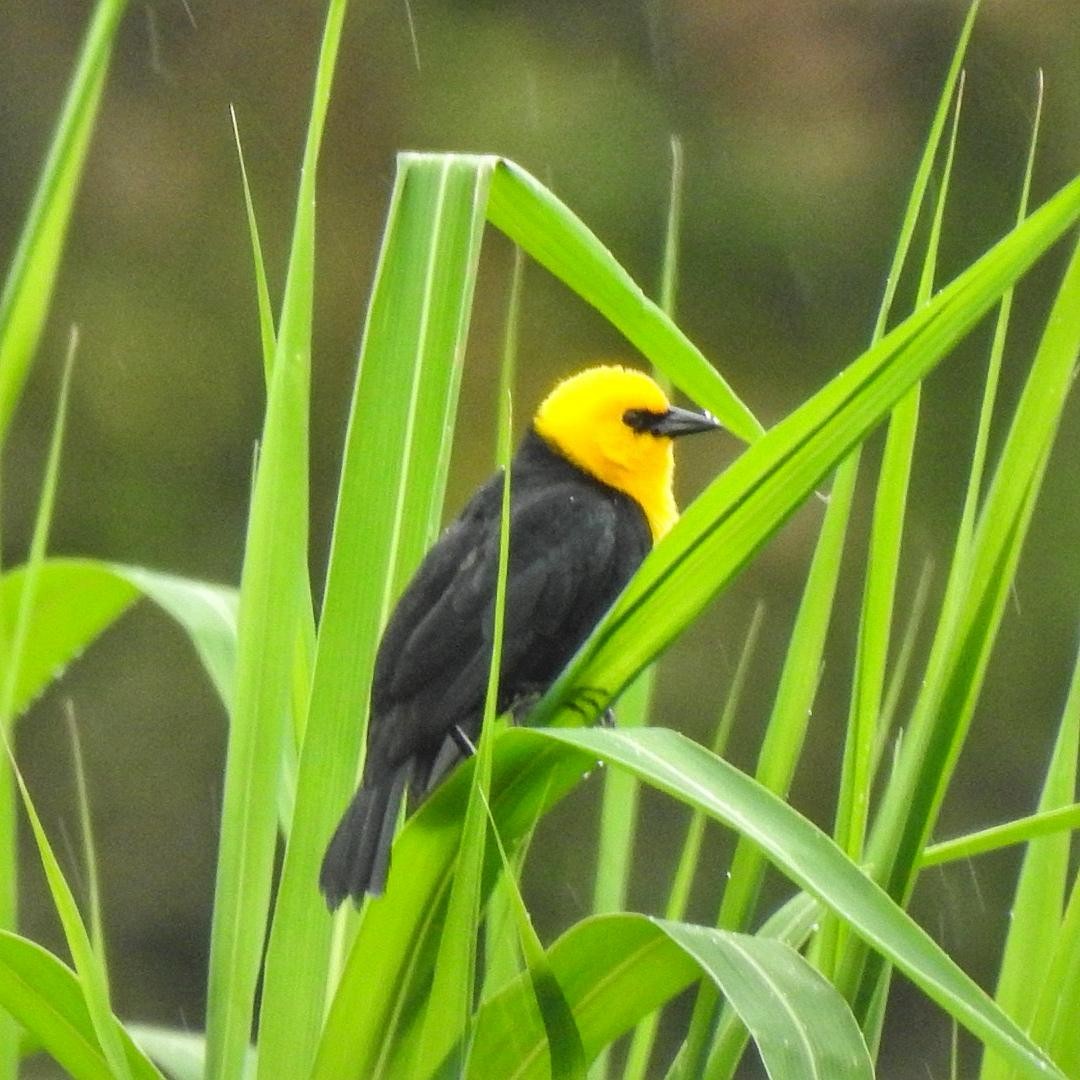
(639, 419)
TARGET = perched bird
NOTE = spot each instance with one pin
(590, 493)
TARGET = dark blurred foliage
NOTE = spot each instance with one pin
(802, 121)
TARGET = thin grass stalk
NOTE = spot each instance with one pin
(883, 566)
(501, 955)
(447, 1025)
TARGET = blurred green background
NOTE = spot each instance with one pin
(801, 121)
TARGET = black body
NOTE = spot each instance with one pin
(574, 543)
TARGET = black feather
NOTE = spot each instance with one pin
(574, 543)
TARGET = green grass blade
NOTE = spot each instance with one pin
(88, 962)
(723, 529)
(619, 804)
(1034, 924)
(269, 615)
(618, 967)
(45, 996)
(502, 959)
(565, 1049)
(275, 615)
(1055, 1021)
(90, 865)
(262, 290)
(402, 415)
(27, 291)
(1019, 831)
(973, 605)
(450, 1002)
(879, 593)
(672, 763)
(535, 219)
(792, 923)
(997, 351)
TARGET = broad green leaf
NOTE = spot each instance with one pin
(45, 997)
(79, 599)
(617, 968)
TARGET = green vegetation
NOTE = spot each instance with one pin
(409, 985)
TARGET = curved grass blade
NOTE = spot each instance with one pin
(674, 764)
(389, 965)
(46, 998)
(617, 968)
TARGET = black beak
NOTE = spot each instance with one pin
(676, 422)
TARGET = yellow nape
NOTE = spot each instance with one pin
(582, 418)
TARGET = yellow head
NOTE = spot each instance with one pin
(616, 424)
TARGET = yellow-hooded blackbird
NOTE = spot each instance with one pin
(590, 493)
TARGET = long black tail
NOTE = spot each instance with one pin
(357, 858)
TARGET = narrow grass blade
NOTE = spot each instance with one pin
(1019, 831)
(401, 416)
(879, 592)
(617, 967)
(262, 290)
(448, 1014)
(275, 616)
(997, 351)
(535, 219)
(24, 302)
(972, 609)
(883, 564)
(1035, 919)
(619, 803)
(46, 998)
(642, 1045)
(672, 763)
(89, 964)
(1055, 1021)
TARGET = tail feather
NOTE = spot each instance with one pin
(357, 858)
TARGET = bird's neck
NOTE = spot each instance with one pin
(650, 488)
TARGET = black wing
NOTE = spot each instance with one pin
(573, 546)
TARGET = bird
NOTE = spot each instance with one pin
(590, 494)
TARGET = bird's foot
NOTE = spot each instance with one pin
(591, 704)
